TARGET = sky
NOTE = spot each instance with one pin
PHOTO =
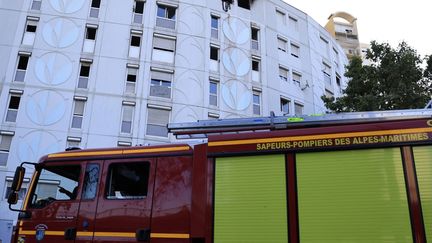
(383, 20)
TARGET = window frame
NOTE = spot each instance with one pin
(156, 108)
(258, 104)
(127, 105)
(16, 110)
(19, 69)
(285, 102)
(76, 115)
(212, 94)
(109, 178)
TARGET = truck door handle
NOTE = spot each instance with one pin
(70, 234)
(143, 235)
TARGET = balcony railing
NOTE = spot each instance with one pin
(165, 23)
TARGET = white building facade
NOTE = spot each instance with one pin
(104, 73)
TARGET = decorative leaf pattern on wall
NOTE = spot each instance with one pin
(45, 107)
(236, 95)
(236, 30)
(67, 6)
(236, 61)
(60, 33)
(194, 25)
(187, 81)
(186, 114)
(36, 144)
(190, 53)
(53, 68)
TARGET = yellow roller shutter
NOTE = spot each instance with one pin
(250, 200)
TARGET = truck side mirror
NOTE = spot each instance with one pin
(13, 198)
(18, 179)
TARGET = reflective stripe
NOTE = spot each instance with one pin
(114, 234)
(107, 234)
(169, 236)
(56, 233)
(323, 136)
(84, 234)
(26, 232)
(119, 152)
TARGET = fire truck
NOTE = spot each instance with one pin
(354, 177)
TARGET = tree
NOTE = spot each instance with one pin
(394, 80)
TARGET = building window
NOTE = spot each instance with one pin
(244, 4)
(138, 12)
(91, 182)
(135, 44)
(157, 121)
(293, 23)
(282, 44)
(84, 75)
(12, 112)
(256, 99)
(214, 58)
(214, 27)
(254, 38)
(131, 79)
(298, 109)
(284, 106)
(296, 77)
(326, 73)
(213, 93)
(21, 67)
(127, 117)
(324, 43)
(5, 143)
(166, 16)
(36, 5)
(130, 187)
(295, 50)
(329, 94)
(336, 57)
(94, 10)
(78, 113)
(280, 18)
(338, 79)
(90, 39)
(56, 183)
(255, 70)
(164, 48)
(21, 193)
(30, 31)
(283, 74)
(160, 85)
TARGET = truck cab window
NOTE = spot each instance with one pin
(55, 183)
(127, 181)
(91, 180)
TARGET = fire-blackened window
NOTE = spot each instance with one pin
(128, 181)
(244, 4)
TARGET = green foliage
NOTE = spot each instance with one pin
(394, 80)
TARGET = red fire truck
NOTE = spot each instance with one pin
(355, 177)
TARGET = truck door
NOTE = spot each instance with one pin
(54, 203)
(125, 201)
(85, 225)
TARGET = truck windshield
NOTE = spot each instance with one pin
(55, 183)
